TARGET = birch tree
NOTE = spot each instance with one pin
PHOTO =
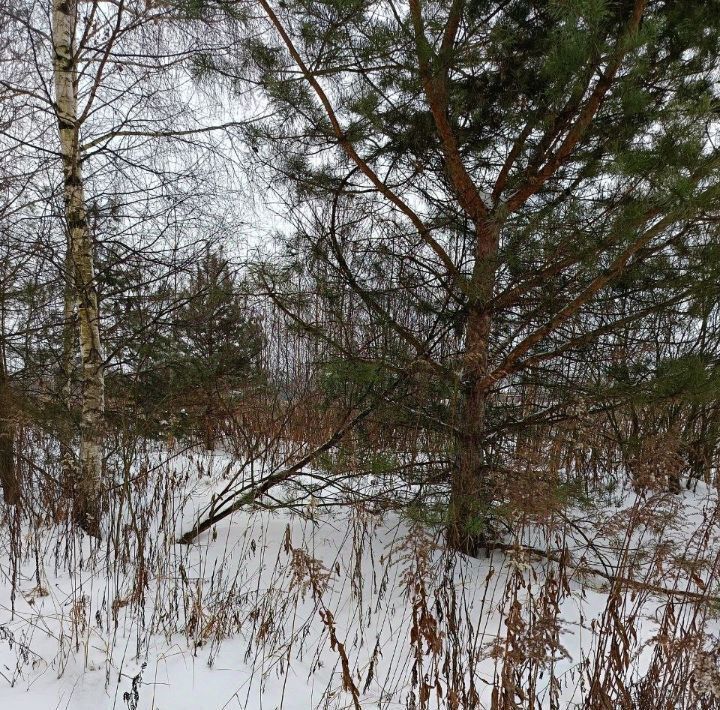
(125, 151)
(80, 260)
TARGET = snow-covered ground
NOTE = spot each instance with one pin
(344, 608)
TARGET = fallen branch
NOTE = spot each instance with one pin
(564, 558)
(271, 481)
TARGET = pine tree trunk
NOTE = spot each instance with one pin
(8, 472)
(471, 492)
(87, 491)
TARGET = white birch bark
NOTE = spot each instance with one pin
(80, 252)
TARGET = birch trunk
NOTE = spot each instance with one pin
(68, 463)
(80, 249)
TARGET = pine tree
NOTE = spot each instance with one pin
(526, 157)
(217, 343)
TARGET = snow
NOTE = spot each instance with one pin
(240, 619)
